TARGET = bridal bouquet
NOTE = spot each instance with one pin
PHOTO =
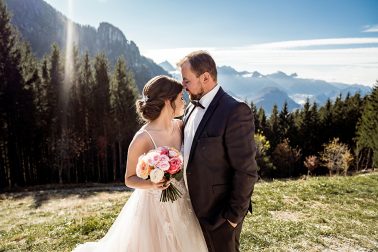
(163, 162)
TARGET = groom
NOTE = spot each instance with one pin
(219, 154)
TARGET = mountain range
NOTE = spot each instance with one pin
(41, 25)
(276, 88)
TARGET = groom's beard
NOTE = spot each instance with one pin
(197, 96)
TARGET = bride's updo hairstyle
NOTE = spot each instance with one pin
(155, 92)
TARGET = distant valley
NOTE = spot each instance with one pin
(276, 88)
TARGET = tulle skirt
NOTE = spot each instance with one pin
(147, 225)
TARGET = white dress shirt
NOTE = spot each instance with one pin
(192, 124)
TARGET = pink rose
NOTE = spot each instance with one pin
(163, 158)
(163, 165)
(175, 165)
(152, 158)
(163, 151)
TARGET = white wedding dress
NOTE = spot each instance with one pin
(147, 225)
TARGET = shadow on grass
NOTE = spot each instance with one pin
(42, 194)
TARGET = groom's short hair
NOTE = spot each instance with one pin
(200, 62)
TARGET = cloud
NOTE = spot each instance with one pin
(348, 65)
(315, 42)
(371, 28)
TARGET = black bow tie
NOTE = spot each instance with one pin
(197, 104)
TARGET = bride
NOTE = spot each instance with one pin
(145, 224)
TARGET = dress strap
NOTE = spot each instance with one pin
(151, 138)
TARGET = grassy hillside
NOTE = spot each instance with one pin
(333, 214)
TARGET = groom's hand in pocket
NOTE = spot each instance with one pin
(232, 224)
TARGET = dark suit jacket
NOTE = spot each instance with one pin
(221, 169)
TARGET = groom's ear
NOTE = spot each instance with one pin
(205, 77)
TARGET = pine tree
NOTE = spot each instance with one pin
(101, 95)
(255, 117)
(353, 111)
(294, 134)
(306, 130)
(87, 112)
(75, 140)
(367, 130)
(338, 119)
(124, 95)
(326, 122)
(262, 121)
(284, 123)
(43, 127)
(11, 93)
(55, 114)
(27, 108)
(315, 124)
(273, 135)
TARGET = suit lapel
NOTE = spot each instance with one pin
(205, 118)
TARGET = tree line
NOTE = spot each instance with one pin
(338, 137)
(52, 135)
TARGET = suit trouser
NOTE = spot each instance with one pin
(225, 238)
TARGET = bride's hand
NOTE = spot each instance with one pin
(162, 185)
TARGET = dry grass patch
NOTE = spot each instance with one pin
(286, 215)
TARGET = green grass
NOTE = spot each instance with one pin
(315, 214)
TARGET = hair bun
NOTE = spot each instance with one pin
(155, 92)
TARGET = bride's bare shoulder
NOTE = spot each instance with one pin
(179, 122)
(140, 141)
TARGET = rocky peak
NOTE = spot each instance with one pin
(111, 33)
(256, 74)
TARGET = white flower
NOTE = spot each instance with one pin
(156, 175)
(173, 153)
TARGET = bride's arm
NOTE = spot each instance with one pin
(138, 146)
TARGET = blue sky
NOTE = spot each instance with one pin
(335, 40)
